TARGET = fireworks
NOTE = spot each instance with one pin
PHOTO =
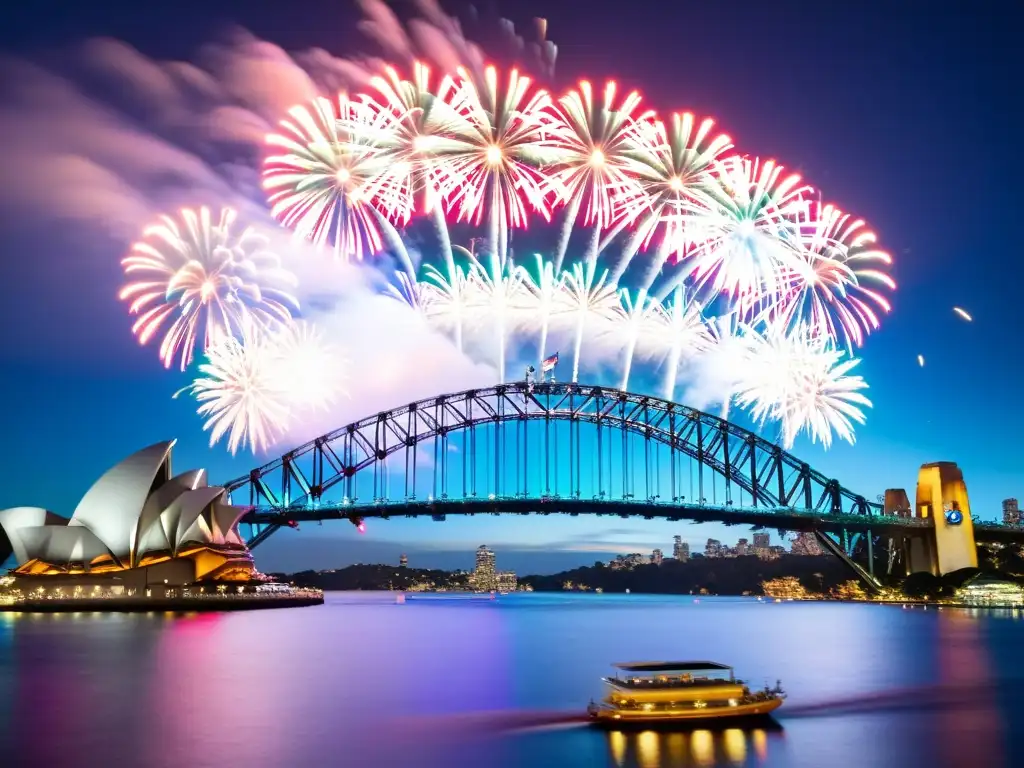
(672, 166)
(591, 140)
(800, 380)
(831, 287)
(331, 177)
(191, 278)
(751, 241)
(697, 262)
(963, 313)
(252, 385)
(493, 160)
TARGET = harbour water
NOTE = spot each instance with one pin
(366, 681)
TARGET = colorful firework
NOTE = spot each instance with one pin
(590, 140)
(191, 278)
(679, 331)
(832, 288)
(672, 167)
(313, 369)
(750, 241)
(542, 303)
(495, 165)
(330, 183)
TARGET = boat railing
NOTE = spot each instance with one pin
(649, 683)
(666, 706)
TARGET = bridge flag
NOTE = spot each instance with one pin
(549, 363)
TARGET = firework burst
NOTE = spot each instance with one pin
(751, 240)
(591, 302)
(590, 139)
(493, 162)
(672, 166)
(330, 181)
(833, 288)
(191, 278)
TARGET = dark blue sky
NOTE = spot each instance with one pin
(906, 113)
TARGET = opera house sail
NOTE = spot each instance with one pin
(138, 525)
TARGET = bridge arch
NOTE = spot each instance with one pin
(332, 468)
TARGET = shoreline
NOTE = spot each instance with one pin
(159, 605)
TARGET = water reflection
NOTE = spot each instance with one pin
(699, 748)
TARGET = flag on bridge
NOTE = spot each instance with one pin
(549, 363)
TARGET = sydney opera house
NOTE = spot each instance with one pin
(138, 529)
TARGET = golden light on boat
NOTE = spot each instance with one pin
(735, 746)
(617, 745)
(648, 754)
(702, 746)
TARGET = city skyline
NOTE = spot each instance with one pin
(76, 370)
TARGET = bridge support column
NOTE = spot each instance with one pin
(942, 497)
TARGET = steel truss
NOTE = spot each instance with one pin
(639, 448)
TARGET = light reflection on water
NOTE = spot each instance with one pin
(364, 681)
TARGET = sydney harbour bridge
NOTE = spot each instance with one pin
(564, 448)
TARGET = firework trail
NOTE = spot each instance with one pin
(495, 164)
(672, 166)
(590, 140)
(679, 330)
(498, 296)
(589, 300)
(963, 314)
(542, 302)
(638, 319)
(330, 182)
(831, 288)
(191, 276)
(447, 298)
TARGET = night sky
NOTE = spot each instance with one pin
(905, 113)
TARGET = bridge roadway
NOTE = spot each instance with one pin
(779, 518)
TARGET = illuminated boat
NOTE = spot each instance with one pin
(679, 692)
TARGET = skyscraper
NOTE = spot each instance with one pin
(762, 545)
(484, 577)
(713, 548)
(680, 550)
(656, 557)
(403, 561)
(742, 548)
(1011, 512)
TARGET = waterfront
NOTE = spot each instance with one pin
(362, 680)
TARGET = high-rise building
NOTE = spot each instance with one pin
(656, 557)
(484, 576)
(403, 561)
(713, 548)
(506, 581)
(806, 543)
(1011, 512)
(681, 550)
(762, 545)
(742, 548)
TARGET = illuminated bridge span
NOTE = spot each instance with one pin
(545, 448)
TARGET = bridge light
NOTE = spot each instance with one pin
(490, 496)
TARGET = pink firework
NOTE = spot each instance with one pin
(327, 181)
(590, 140)
(835, 287)
(493, 160)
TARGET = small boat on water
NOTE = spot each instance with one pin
(679, 692)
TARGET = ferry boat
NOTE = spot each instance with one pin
(679, 692)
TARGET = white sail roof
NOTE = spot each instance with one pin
(16, 520)
(112, 506)
(62, 545)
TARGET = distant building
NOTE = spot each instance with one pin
(484, 577)
(656, 557)
(1011, 512)
(806, 543)
(403, 561)
(506, 581)
(628, 562)
(762, 545)
(713, 548)
(742, 548)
